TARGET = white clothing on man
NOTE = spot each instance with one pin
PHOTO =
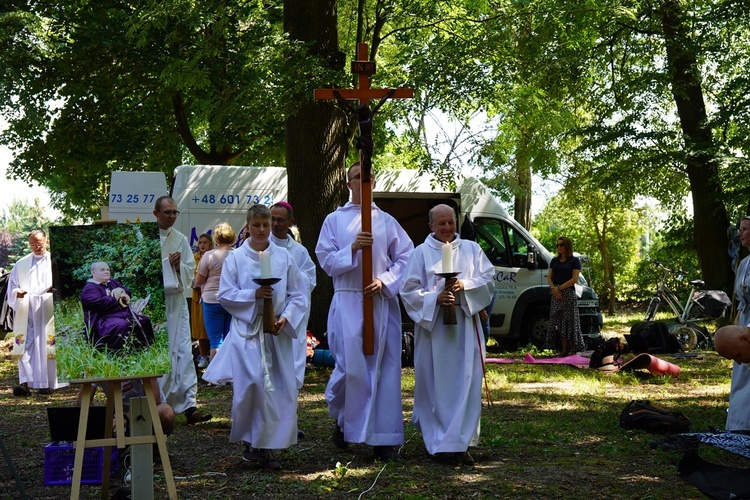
(260, 365)
(447, 358)
(307, 267)
(33, 274)
(738, 415)
(180, 386)
(364, 392)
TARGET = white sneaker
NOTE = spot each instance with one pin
(203, 361)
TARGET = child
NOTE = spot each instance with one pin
(260, 364)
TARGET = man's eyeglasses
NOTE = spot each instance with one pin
(37, 245)
(743, 229)
(279, 220)
(170, 213)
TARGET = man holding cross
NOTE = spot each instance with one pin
(364, 391)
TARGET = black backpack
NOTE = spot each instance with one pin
(642, 415)
(652, 337)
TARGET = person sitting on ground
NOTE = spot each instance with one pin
(109, 320)
(733, 342)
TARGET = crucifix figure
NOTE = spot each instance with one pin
(363, 67)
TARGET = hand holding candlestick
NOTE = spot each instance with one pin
(447, 298)
(269, 318)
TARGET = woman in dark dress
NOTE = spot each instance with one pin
(110, 321)
(564, 333)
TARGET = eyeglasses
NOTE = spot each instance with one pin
(170, 213)
(37, 245)
(743, 229)
(560, 245)
(279, 220)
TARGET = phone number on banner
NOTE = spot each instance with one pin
(131, 199)
(231, 200)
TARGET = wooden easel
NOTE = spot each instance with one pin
(114, 407)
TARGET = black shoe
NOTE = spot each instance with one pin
(386, 454)
(453, 459)
(45, 392)
(338, 439)
(262, 459)
(300, 434)
(21, 391)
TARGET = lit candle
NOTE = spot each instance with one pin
(447, 258)
(265, 264)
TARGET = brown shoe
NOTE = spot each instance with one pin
(197, 417)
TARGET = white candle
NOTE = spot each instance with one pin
(447, 258)
(265, 265)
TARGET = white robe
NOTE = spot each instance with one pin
(260, 365)
(364, 392)
(307, 266)
(447, 358)
(180, 386)
(34, 368)
(738, 415)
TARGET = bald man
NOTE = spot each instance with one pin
(733, 342)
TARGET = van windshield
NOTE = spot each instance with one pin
(503, 245)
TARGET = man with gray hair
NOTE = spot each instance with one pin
(180, 386)
(448, 358)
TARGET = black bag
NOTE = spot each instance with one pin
(715, 303)
(652, 337)
(642, 415)
(612, 347)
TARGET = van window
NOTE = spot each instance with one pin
(519, 247)
(490, 236)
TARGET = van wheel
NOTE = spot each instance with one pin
(536, 326)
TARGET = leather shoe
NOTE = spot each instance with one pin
(21, 391)
(197, 417)
(338, 438)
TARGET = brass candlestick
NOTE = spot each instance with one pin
(449, 312)
(269, 318)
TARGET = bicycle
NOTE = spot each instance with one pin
(700, 306)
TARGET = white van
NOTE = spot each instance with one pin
(207, 195)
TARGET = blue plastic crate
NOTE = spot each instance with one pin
(59, 458)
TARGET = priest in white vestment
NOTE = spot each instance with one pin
(34, 324)
(447, 358)
(180, 386)
(364, 392)
(260, 364)
(282, 218)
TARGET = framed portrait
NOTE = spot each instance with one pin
(110, 318)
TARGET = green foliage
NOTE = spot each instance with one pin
(133, 252)
(17, 221)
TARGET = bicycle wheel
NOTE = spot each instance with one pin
(686, 336)
(652, 308)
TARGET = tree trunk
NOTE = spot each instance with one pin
(710, 215)
(522, 200)
(316, 143)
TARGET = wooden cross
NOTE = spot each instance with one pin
(364, 68)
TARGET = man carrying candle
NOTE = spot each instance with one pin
(364, 392)
(447, 358)
(180, 386)
(258, 362)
